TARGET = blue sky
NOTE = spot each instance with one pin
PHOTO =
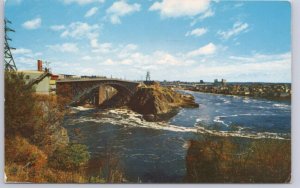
(173, 39)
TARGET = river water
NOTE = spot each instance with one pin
(156, 151)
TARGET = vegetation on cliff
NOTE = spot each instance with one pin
(237, 160)
(37, 148)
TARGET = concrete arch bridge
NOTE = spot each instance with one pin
(95, 89)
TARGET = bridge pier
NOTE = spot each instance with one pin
(101, 95)
(104, 93)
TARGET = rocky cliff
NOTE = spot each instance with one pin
(157, 103)
(154, 102)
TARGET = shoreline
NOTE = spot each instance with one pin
(286, 99)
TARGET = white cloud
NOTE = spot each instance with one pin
(237, 28)
(14, 2)
(25, 53)
(27, 61)
(127, 50)
(272, 68)
(25, 58)
(21, 51)
(206, 14)
(238, 5)
(123, 55)
(208, 49)
(103, 48)
(32, 24)
(81, 30)
(91, 12)
(166, 58)
(65, 47)
(178, 8)
(260, 58)
(109, 62)
(58, 27)
(121, 8)
(196, 32)
(130, 47)
(83, 2)
(87, 58)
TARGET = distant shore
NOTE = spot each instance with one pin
(271, 91)
(239, 95)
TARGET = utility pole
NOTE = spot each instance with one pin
(8, 58)
(47, 68)
(148, 76)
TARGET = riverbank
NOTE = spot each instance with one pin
(243, 94)
(237, 160)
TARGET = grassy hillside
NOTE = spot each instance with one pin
(237, 160)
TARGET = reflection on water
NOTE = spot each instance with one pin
(155, 151)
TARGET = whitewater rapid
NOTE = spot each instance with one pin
(130, 119)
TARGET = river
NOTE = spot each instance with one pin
(155, 151)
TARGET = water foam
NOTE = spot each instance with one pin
(130, 119)
(282, 106)
(81, 108)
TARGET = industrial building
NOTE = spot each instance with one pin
(40, 79)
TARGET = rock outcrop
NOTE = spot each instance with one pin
(157, 103)
(154, 102)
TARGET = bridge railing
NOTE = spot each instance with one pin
(94, 79)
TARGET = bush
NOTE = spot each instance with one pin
(19, 105)
(48, 132)
(34, 117)
(71, 157)
(237, 160)
(33, 133)
(24, 161)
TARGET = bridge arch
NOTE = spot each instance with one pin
(119, 87)
(82, 89)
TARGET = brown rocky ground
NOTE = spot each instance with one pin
(154, 102)
(157, 103)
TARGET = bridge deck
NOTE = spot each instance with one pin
(94, 80)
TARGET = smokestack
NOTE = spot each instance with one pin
(40, 65)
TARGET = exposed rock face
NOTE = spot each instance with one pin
(118, 100)
(157, 103)
(154, 102)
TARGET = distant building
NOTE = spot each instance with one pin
(39, 78)
(201, 82)
(223, 82)
(53, 83)
(216, 82)
(66, 76)
(93, 76)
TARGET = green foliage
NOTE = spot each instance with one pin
(237, 160)
(96, 179)
(34, 117)
(70, 157)
(36, 147)
(19, 105)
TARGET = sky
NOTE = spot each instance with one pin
(191, 40)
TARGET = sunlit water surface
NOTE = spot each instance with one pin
(155, 151)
